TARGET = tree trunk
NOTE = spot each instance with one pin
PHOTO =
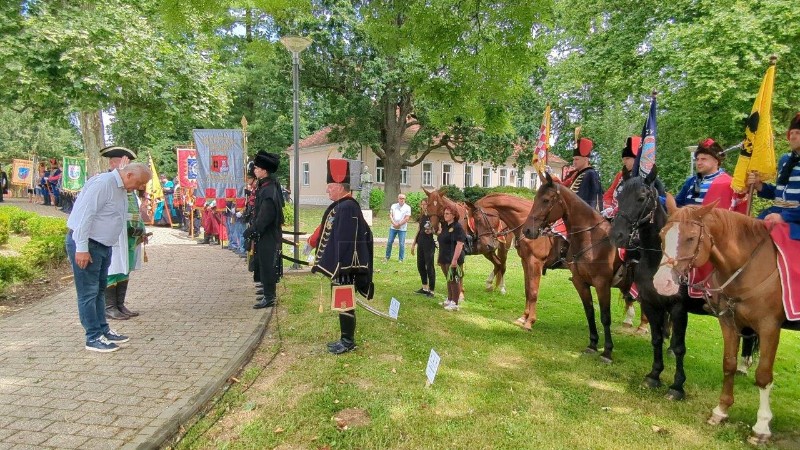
(395, 112)
(391, 177)
(93, 140)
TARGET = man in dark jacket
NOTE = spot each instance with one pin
(265, 227)
(344, 248)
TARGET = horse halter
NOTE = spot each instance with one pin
(671, 262)
(495, 235)
(544, 227)
(645, 216)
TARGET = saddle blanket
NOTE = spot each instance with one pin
(790, 273)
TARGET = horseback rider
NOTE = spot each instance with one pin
(629, 153)
(786, 190)
(584, 179)
(711, 181)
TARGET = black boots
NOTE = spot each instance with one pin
(122, 290)
(267, 292)
(112, 312)
(206, 239)
(347, 323)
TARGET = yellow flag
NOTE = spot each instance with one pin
(758, 148)
(543, 144)
(154, 189)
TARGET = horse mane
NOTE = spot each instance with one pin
(738, 226)
(582, 205)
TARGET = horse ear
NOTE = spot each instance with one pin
(426, 192)
(548, 178)
(651, 177)
(672, 206)
(703, 210)
(470, 205)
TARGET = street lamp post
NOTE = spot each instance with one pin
(296, 44)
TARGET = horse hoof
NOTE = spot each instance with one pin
(589, 351)
(503, 291)
(527, 326)
(675, 395)
(520, 321)
(642, 331)
(606, 359)
(651, 383)
(627, 324)
(716, 419)
(758, 439)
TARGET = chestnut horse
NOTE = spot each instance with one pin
(535, 253)
(745, 290)
(497, 254)
(592, 258)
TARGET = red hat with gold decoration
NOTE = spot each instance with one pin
(584, 147)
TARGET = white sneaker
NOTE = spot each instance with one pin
(446, 302)
(451, 307)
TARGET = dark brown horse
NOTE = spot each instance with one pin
(592, 258)
(497, 253)
(745, 290)
(535, 253)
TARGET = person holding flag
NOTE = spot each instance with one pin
(786, 190)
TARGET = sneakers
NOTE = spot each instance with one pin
(446, 302)
(115, 337)
(430, 294)
(102, 345)
(451, 307)
(422, 291)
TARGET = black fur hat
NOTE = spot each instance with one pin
(632, 147)
(267, 161)
(712, 148)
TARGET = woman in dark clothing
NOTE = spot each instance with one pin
(427, 248)
(265, 227)
(451, 256)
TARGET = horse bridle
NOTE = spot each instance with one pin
(645, 216)
(670, 261)
(545, 227)
(492, 231)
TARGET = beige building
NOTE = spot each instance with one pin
(437, 170)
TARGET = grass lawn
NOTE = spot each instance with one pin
(497, 386)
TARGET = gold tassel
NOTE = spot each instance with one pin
(321, 293)
(144, 253)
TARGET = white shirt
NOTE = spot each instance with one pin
(100, 211)
(399, 213)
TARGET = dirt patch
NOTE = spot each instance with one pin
(351, 417)
(23, 295)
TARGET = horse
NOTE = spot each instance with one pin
(497, 254)
(592, 258)
(534, 253)
(744, 291)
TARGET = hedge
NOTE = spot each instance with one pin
(45, 248)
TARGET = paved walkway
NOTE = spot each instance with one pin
(197, 328)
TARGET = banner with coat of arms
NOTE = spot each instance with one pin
(220, 161)
(187, 167)
(22, 172)
(74, 174)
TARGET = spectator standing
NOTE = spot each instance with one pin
(399, 215)
(451, 256)
(95, 225)
(425, 255)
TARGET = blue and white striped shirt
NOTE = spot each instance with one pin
(694, 190)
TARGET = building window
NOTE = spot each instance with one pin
(487, 177)
(404, 175)
(467, 176)
(533, 182)
(447, 169)
(427, 174)
(503, 176)
(306, 174)
(379, 171)
(521, 179)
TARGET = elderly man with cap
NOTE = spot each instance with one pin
(584, 179)
(786, 190)
(711, 182)
(128, 253)
(344, 248)
(265, 227)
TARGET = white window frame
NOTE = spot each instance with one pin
(379, 171)
(306, 174)
(486, 177)
(468, 175)
(503, 177)
(520, 179)
(404, 176)
(534, 177)
(447, 171)
(427, 174)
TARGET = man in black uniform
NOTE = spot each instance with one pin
(344, 247)
(265, 227)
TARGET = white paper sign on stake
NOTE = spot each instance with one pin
(433, 366)
(394, 308)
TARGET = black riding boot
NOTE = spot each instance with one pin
(112, 312)
(122, 290)
(347, 324)
(268, 298)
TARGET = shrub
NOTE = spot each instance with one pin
(453, 193)
(376, 199)
(513, 190)
(5, 229)
(44, 251)
(19, 220)
(413, 199)
(288, 213)
(46, 226)
(475, 193)
(12, 270)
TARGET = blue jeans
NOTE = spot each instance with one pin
(90, 284)
(402, 238)
(236, 236)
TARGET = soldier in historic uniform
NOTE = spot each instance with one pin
(265, 227)
(584, 179)
(711, 181)
(344, 247)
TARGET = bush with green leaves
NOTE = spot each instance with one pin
(475, 193)
(413, 199)
(376, 199)
(19, 220)
(44, 251)
(46, 226)
(513, 190)
(12, 270)
(5, 229)
(453, 193)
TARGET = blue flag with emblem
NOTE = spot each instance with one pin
(646, 158)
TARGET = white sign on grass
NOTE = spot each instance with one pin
(394, 308)
(433, 366)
